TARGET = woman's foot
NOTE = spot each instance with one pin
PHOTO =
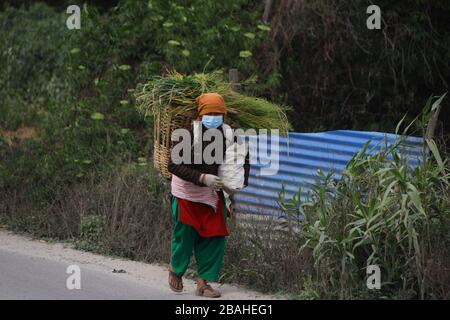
(175, 282)
(205, 290)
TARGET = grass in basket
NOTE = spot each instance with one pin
(179, 92)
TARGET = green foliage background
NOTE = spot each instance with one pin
(62, 81)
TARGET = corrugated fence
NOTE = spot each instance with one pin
(301, 155)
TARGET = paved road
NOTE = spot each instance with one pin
(28, 277)
(33, 269)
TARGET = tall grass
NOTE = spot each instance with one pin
(125, 213)
(381, 212)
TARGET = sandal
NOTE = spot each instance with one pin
(208, 292)
(173, 275)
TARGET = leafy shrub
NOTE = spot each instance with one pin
(203, 34)
(75, 87)
(84, 124)
(92, 233)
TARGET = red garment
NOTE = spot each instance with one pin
(202, 217)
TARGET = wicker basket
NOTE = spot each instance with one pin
(166, 121)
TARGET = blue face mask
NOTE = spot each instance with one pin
(212, 122)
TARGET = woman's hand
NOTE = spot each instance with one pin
(211, 181)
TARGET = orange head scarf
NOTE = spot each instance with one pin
(209, 103)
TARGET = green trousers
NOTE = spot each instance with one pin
(209, 252)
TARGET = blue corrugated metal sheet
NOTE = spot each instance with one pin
(301, 155)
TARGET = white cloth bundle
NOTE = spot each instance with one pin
(232, 170)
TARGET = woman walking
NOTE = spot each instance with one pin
(199, 211)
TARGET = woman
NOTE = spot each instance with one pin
(199, 211)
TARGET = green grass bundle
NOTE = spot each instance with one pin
(179, 92)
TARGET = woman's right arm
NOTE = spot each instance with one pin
(185, 172)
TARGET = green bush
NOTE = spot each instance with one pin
(197, 34)
(92, 234)
(32, 45)
(75, 86)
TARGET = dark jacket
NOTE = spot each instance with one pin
(192, 172)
